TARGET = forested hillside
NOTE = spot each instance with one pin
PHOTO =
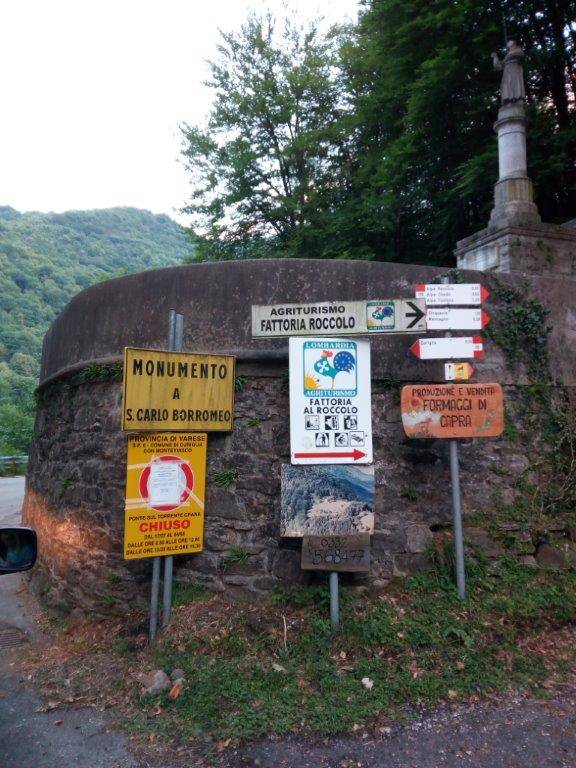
(44, 260)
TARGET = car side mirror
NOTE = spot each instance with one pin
(18, 549)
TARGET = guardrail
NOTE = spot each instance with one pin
(13, 465)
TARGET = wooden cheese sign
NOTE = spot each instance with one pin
(452, 410)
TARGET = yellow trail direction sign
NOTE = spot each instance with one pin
(165, 488)
(177, 391)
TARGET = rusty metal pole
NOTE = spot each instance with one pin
(169, 560)
(457, 507)
(155, 590)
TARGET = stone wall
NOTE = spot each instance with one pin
(538, 249)
(76, 492)
(75, 486)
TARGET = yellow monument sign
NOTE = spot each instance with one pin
(177, 391)
(165, 484)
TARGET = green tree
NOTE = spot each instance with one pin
(425, 98)
(15, 430)
(269, 169)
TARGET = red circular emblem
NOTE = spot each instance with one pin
(186, 477)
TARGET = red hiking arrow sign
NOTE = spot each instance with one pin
(455, 319)
(436, 295)
(355, 454)
(452, 347)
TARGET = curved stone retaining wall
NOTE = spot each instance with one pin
(75, 486)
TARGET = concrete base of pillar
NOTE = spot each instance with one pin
(533, 248)
(514, 204)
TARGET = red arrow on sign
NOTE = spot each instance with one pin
(485, 318)
(355, 454)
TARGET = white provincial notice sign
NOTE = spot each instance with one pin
(330, 401)
(441, 295)
(164, 483)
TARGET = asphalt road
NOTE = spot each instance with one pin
(12, 610)
(11, 497)
(29, 737)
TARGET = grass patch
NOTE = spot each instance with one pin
(420, 647)
(408, 493)
(185, 592)
(234, 556)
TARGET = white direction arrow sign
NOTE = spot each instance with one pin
(339, 318)
(330, 402)
(449, 294)
(452, 347)
(448, 319)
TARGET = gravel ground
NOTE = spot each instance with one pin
(512, 732)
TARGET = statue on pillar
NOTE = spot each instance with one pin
(513, 197)
(512, 88)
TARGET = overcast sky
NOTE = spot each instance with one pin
(93, 92)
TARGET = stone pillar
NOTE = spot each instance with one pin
(515, 239)
(513, 197)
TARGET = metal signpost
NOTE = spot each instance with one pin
(166, 473)
(177, 340)
(155, 590)
(476, 293)
(330, 407)
(451, 411)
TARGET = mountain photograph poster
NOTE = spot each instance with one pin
(327, 500)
